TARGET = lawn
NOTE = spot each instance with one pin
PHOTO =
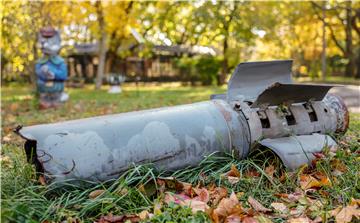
(257, 189)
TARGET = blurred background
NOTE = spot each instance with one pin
(198, 43)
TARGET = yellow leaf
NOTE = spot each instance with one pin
(307, 182)
(94, 194)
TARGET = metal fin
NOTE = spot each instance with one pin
(279, 93)
(295, 151)
(251, 78)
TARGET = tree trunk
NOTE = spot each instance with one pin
(358, 65)
(225, 68)
(350, 67)
(102, 46)
(323, 55)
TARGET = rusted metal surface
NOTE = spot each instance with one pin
(343, 117)
(261, 107)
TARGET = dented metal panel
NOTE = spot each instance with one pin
(295, 151)
(251, 78)
(279, 93)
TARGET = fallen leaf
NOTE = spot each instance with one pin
(270, 170)
(216, 194)
(233, 180)
(298, 211)
(203, 194)
(143, 215)
(234, 172)
(94, 194)
(173, 183)
(290, 197)
(183, 200)
(257, 206)
(233, 175)
(251, 173)
(299, 220)
(355, 202)
(249, 220)
(346, 214)
(7, 138)
(318, 219)
(118, 218)
(195, 205)
(14, 107)
(338, 167)
(233, 219)
(280, 207)
(228, 206)
(42, 180)
(263, 219)
(307, 182)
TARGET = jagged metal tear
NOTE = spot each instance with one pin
(251, 78)
(288, 94)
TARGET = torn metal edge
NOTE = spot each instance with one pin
(30, 147)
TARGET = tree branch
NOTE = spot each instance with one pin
(332, 33)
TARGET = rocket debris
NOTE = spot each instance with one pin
(261, 107)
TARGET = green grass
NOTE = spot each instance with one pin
(23, 199)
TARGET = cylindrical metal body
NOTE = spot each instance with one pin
(171, 138)
(101, 148)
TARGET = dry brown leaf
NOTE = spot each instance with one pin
(7, 138)
(338, 165)
(119, 218)
(307, 182)
(280, 207)
(355, 202)
(257, 206)
(203, 194)
(234, 172)
(290, 197)
(233, 175)
(234, 218)
(94, 194)
(144, 215)
(183, 200)
(173, 183)
(250, 220)
(252, 173)
(318, 219)
(42, 180)
(195, 205)
(299, 220)
(298, 211)
(14, 107)
(228, 206)
(233, 180)
(270, 170)
(216, 194)
(347, 213)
